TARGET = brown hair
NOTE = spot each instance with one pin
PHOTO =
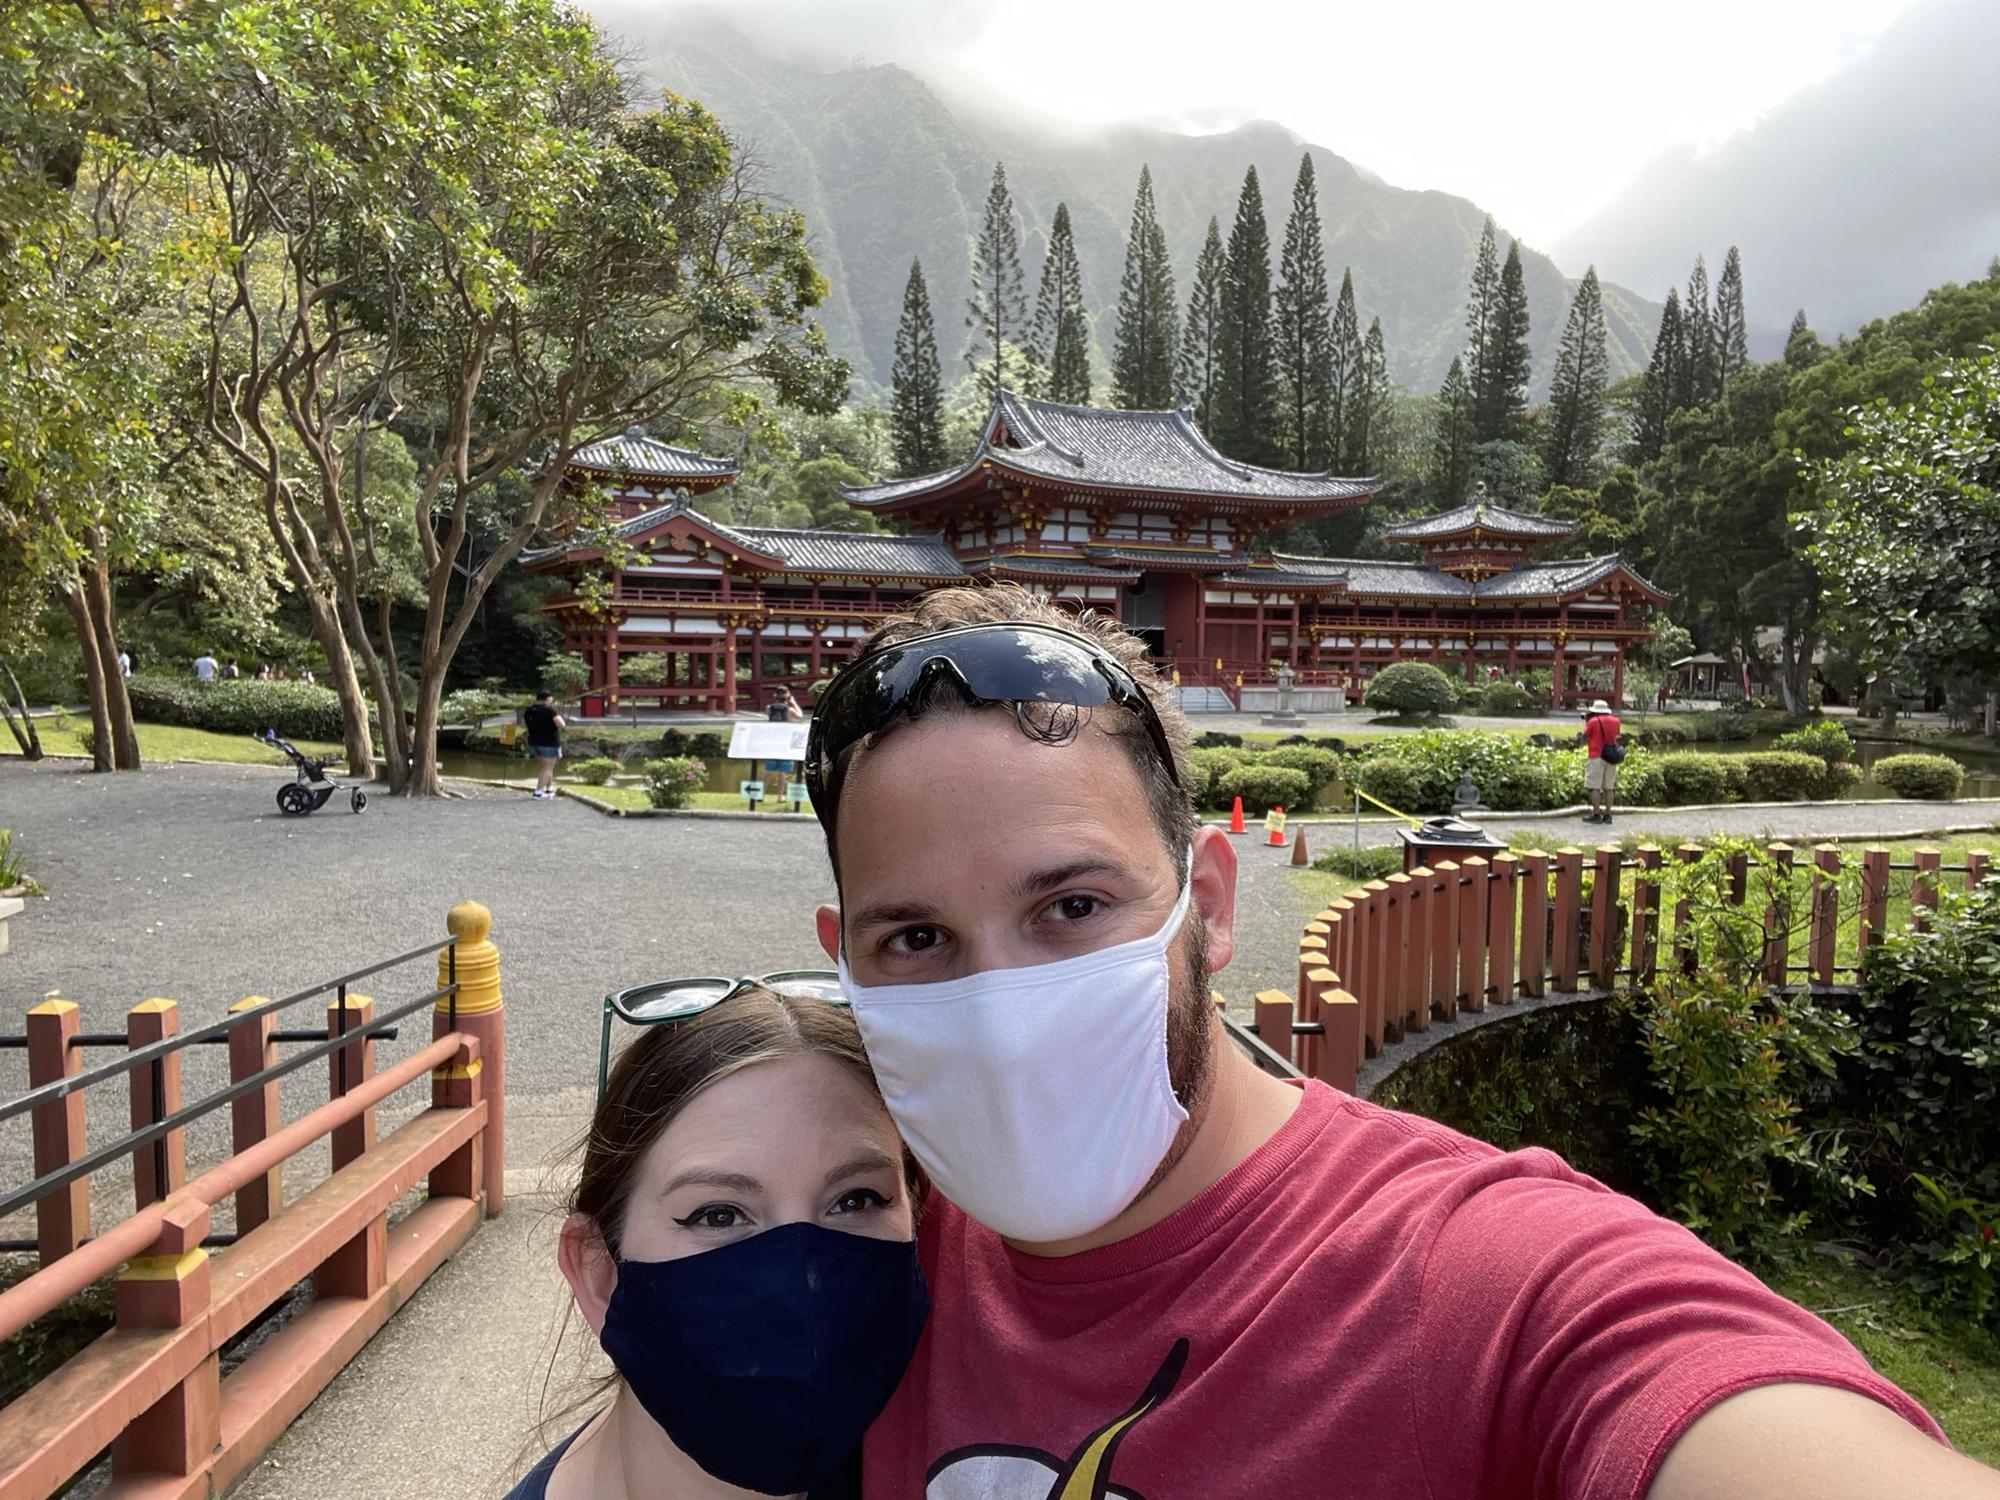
(1008, 603)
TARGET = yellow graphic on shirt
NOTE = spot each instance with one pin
(1001, 1471)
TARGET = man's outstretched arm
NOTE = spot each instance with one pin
(1814, 1442)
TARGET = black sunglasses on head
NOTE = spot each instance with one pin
(995, 663)
(669, 1001)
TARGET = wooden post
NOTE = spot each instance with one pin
(1341, 1057)
(168, 1287)
(1606, 860)
(1442, 991)
(1684, 954)
(159, 1167)
(254, 1115)
(1778, 914)
(1977, 862)
(1924, 889)
(479, 1014)
(1274, 1021)
(1473, 897)
(1534, 923)
(1395, 931)
(1874, 900)
(1414, 1004)
(1502, 925)
(360, 1267)
(1646, 912)
(1569, 896)
(62, 1218)
(1825, 913)
(1739, 877)
(1368, 944)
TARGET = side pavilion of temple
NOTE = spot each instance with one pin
(1133, 513)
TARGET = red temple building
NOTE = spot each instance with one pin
(1129, 512)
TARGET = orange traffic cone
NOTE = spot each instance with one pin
(1236, 818)
(1299, 855)
(1274, 828)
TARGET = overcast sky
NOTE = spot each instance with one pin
(1538, 111)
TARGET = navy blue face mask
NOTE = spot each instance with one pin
(766, 1359)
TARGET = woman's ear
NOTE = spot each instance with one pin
(588, 1268)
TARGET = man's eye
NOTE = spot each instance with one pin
(714, 1216)
(1075, 908)
(859, 1200)
(914, 940)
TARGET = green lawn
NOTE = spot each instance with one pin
(1951, 1367)
(163, 742)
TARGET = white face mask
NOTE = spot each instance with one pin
(1038, 1099)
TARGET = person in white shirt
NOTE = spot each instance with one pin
(204, 667)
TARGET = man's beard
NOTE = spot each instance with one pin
(1190, 1030)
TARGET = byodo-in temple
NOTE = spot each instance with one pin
(1129, 512)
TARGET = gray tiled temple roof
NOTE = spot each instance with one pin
(1130, 450)
(634, 453)
(1402, 580)
(1420, 581)
(1052, 567)
(852, 551)
(1565, 577)
(1487, 515)
(1167, 557)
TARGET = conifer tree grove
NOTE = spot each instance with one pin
(1365, 429)
(997, 311)
(1059, 346)
(1345, 406)
(1301, 334)
(1664, 381)
(1576, 392)
(1732, 336)
(1482, 306)
(1200, 353)
(1451, 447)
(1500, 395)
(1142, 358)
(916, 409)
(1245, 419)
(1704, 366)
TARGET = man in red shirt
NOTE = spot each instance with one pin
(1600, 728)
(1158, 1272)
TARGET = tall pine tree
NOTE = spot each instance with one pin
(997, 311)
(1365, 426)
(1059, 347)
(916, 384)
(1346, 376)
(1301, 333)
(1200, 353)
(1663, 383)
(1500, 393)
(1704, 365)
(1732, 336)
(1576, 391)
(1482, 307)
(1245, 419)
(1142, 357)
(1451, 446)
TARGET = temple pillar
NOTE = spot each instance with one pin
(1294, 655)
(607, 664)
(1618, 676)
(728, 698)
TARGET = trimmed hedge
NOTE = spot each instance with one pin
(1500, 700)
(594, 772)
(1825, 739)
(1412, 688)
(672, 780)
(297, 710)
(1265, 787)
(1396, 782)
(1322, 767)
(1781, 775)
(1928, 778)
(1693, 777)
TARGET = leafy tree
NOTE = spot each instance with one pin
(1607, 516)
(997, 310)
(1059, 345)
(1199, 364)
(1732, 336)
(1698, 330)
(1500, 396)
(1451, 447)
(1511, 470)
(1368, 424)
(1142, 359)
(917, 385)
(1575, 415)
(1245, 417)
(1482, 310)
(1663, 380)
(1302, 336)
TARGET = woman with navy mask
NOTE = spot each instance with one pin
(742, 1242)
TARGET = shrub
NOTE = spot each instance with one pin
(1780, 775)
(1502, 700)
(1825, 739)
(673, 779)
(1207, 765)
(1265, 787)
(476, 705)
(1692, 777)
(1511, 774)
(1322, 767)
(1395, 782)
(1657, 732)
(1371, 862)
(700, 743)
(1838, 780)
(1930, 778)
(297, 710)
(595, 771)
(1723, 727)
(1411, 689)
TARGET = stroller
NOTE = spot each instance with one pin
(310, 792)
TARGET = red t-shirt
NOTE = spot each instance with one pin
(1599, 730)
(1371, 1305)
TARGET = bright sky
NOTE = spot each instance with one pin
(1536, 110)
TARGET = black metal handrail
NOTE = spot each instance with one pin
(61, 1088)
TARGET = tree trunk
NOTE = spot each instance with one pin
(388, 701)
(117, 702)
(93, 677)
(24, 731)
(423, 776)
(345, 684)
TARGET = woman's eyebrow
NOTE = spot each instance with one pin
(867, 1161)
(701, 1177)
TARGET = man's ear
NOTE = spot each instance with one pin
(588, 1268)
(828, 920)
(1214, 881)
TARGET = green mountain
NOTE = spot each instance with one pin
(883, 170)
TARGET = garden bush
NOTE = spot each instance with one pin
(476, 705)
(1660, 732)
(1839, 778)
(1692, 777)
(672, 780)
(1265, 787)
(1511, 774)
(1930, 778)
(1780, 775)
(1207, 765)
(1825, 739)
(297, 710)
(1500, 700)
(1370, 862)
(1411, 689)
(699, 743)
(1395, 782)
(1322, 767)
(595, 771)
(1723, 726)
